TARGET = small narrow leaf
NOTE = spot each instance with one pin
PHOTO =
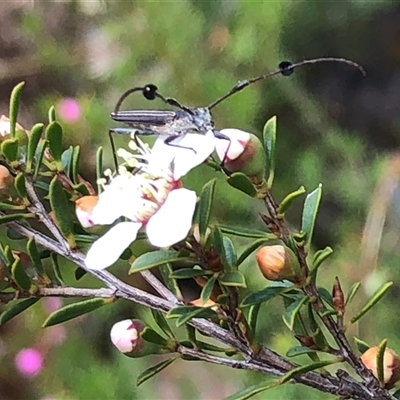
(319, 257)
(246, 233)
(54, 136)
(171, 283)
(249, 249)
(5, 219)
(19, 275)
(204, 207)
(262, 295)
(207, 289)
(289, 317)
(9, 148)
(186, 313)
(150, 335)
(14, 106)
(253, 317)
(230, 258)
(19, 184)
(149, 373)
(16, 309)
(233, 278)
(269, 138)
(66, 160)
(52, 114)
(253, 390)
(33, 141)
(380, 366)
(154, 259)
(352, 292)
(35, 256)
(298, 351)
(39, 157)
(289, 199)
(74, 310)
(57, 272)
(310, 210)
(186, 273)
(62, 210)
(99, 168)
(75, 164)
(372, 301)
(361, 345)
(162, 322)
(240, 181)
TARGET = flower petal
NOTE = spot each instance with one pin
(230, 150)
(173, 220)
(184, 153)
(106, 250)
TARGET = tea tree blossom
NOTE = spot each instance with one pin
(151, 196)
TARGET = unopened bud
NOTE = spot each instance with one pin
(391, 365)
(278, 263)
(244, 152)
(6, 180)
(125, 336)
(84, 208)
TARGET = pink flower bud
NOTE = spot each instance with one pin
(278, 263)
(391, 365)
(243, 153)
(84, 208)
(125, 336)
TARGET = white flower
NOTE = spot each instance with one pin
(125, 335)
(229, 150)
(150, 197)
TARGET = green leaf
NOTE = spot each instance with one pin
(230, 258)
(33, 141)
(291, 312)
(10, 207)
(319, 257)
(289, 199)
(16, 309)
(186, 273)
(154, 259)
(66, 160)
(52, 114)
(204, 207)
(325, 295)
(35, 256)
(150, 335)
(54, 136)
(75, 164)
(380, 367)
(150, 372)
(307, 368)
(310, 210)
(207, 289)
(57, 272)
(19, 184)
(186, 313)
(269, 139)
(252, 390)
(14, 106)
(240, 181)
(352, 292)
(233, 278)
(5, 219)
(244, 232)
(39, 157)
(62, 211)
(19, 275)
(162, 322)
(99, 168)
(362, 346)
(171, 283)
(396, 394)
(74, 310)
(249, 249)
(298, 351)
(372, 301)
(253, 317)
(262, 295)
(9, 148)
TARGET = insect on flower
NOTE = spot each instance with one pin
(173, 124)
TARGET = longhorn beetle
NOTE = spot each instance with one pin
(184, 120)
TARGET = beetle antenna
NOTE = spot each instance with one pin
(285, 68)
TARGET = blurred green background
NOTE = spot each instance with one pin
(334, 127)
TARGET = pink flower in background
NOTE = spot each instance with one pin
(69, 110)
(29, 362)
(51, 304)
